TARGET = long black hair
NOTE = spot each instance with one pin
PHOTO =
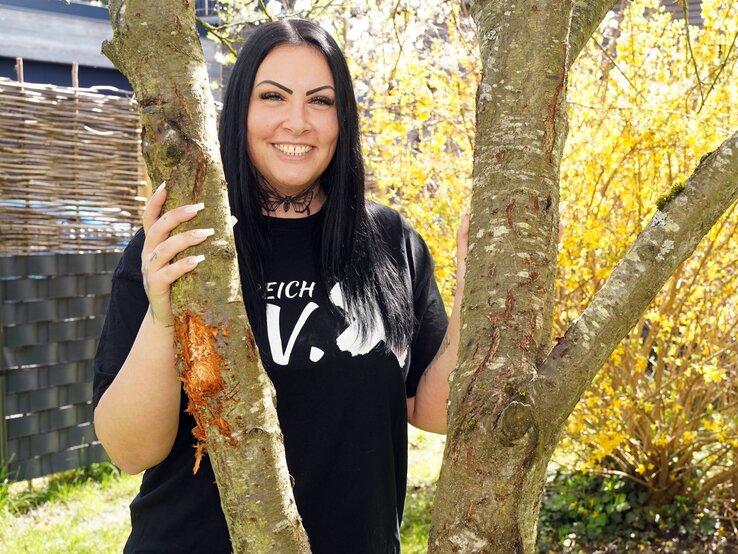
(352, 251)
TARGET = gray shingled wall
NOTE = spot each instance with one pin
(53, 307)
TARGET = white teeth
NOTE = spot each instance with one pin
(293, 150)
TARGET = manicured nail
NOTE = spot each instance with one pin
(194, 260)
(194, 208)
(161, 187)
(202, 233)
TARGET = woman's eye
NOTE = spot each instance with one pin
(322, 100)
(270, 96)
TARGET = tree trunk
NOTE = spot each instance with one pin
(511, 392)
(497, 449)
(156, 46)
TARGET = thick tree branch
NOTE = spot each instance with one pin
(668, 240)
(585, 19)
(156, 46)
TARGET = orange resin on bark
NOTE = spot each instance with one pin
(202, 378)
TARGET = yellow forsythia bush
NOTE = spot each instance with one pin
(416, 74)
(663, 409)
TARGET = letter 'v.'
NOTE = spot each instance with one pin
(282, 357)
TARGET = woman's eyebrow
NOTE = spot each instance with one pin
(313, 91)
(276, 84)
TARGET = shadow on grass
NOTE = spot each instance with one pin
(21, 497)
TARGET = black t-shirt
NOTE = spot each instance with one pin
(341, 401)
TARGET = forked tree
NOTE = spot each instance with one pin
(514, 385)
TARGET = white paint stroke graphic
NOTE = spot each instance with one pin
(282, 357)
(350, 341)
(315, 354)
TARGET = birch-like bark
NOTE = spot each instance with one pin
(156, 46)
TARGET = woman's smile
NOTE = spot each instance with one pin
(292, 150)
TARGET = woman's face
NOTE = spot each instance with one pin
(292, 127)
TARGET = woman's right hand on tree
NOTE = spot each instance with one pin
(160, 248)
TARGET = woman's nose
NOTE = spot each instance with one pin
(296, 119)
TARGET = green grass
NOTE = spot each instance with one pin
(86, 511)
(424, 464)
(81, 511)
(417, 520)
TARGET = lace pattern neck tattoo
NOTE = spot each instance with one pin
(271, 199)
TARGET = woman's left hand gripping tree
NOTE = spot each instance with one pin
(156, 46)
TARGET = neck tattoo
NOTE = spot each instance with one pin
(271, 199)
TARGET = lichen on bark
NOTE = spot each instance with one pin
(498, 446)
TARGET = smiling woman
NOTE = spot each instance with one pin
(343, 303)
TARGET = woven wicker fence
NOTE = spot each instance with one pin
(71, 180)
(71, 176)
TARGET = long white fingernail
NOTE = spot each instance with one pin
(202, 233)
(194, 208)
(194, 260)
(161, 187)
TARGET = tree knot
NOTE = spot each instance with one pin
(515, 421)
